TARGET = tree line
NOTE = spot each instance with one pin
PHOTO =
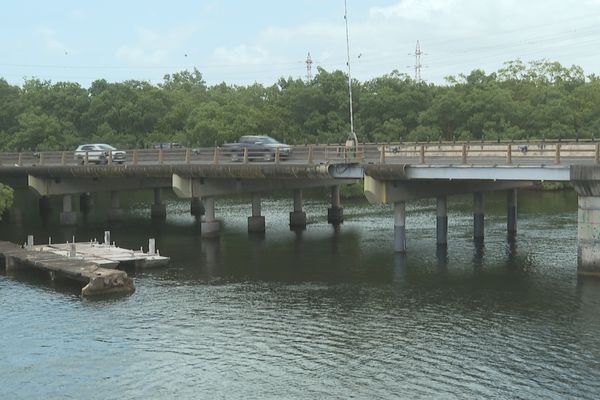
(519, 101)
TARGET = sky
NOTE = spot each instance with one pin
(242, 42)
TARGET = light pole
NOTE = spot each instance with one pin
(352, 133)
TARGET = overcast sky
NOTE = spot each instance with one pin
(241, 42)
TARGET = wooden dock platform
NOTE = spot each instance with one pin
(100, 281)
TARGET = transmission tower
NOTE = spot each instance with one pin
(309, 62)
(418, 65)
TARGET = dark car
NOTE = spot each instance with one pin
(168, 146)
(259, 147)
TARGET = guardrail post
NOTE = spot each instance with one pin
(187, 156)
(464, 154)
(310, 154)
(216, 156)
(382, 154)
(20, 159)
(63, 158)
(597, 158)
(277, 156)
(86, 159)
(422, 154)
(161, 156)
(509, 154)
(135, 157)
(557, 156)
(245, 155)
(41, 158)
(110, 157)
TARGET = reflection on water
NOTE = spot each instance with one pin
(328, 312)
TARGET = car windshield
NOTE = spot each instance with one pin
(268, 139)
(106, 147)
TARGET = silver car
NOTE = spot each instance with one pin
(98, 153)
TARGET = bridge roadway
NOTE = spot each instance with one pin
(392, 173)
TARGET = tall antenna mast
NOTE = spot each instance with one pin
(418, 65)
(309, 62)
(352, 134)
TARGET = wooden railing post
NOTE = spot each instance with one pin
(161, 156)
(382, 154)
(86, 159)
(557, 156)
(216, 156)
(245, 155)
(20, 159)
(422, 154)
(310, 154)
(63, 158)
(135, 157)
(464, 154)
(509, 154)
(277, 156)
(597, 157)
(41, 158)
(187, 156)
(110, 157)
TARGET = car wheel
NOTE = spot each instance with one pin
(269, 157)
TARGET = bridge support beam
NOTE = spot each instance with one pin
(442, 221)
(210, 227)
(511, 212)
(588, 235)
(196, 207)
(68, 216)
(478, 217)
(399, 227)
(115, 213)
(297, 217)
(335, 214)
(256, 222)
(158, 211)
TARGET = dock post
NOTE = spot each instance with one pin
(107, 238)
(442, 221)
(335, 214)
(256, 222)
(196, 207)
(151, 246)
(115, 213)
(158, 210)
(400, 227)
(68, 216)
(72, 250)
(478, 217)
(511, 212)
(210, 227)
(29, 240)
(297, 217)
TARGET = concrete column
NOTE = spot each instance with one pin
(256, 222)
(196, 207)
(115, 213)
(158, 211)
(478, 216)
(297, 217)
(442, 221)
(588, 235)
(335, 214)
(210, 227)
(68, 216)
(399, 227)
(86, 202)
(45, 207)
(511, 212)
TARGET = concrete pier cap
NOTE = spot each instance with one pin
(586, 181)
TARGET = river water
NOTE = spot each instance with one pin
(325, 313)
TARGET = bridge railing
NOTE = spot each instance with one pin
(538, 152)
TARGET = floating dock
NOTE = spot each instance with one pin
(89, 262)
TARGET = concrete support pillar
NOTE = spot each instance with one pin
(511, 212)
(211, 227)
(399, 227)
(45, 207)
(68, 216)
(86, 202)
(335, 214)
(256, 222)
(115, 213)
(196, 207)
(297, 217)
(478, 216)
(588, 235)
(158, 211)
(442, 221)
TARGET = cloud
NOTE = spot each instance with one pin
(417, 10)
(50, 41)
(153, 47)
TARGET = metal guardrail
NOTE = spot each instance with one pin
(497, 153)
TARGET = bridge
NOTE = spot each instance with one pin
(393, 173)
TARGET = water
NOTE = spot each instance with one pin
(322, 314)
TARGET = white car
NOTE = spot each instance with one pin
(98, 153)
